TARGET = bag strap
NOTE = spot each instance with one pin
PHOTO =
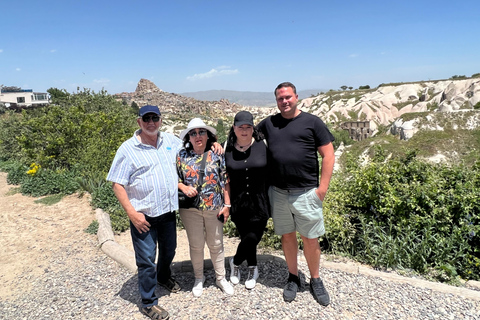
(202, 171)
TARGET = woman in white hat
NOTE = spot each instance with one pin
(202, 222)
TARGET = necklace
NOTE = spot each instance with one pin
(245, 146)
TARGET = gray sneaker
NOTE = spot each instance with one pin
(290, 291)
(319, 292)
(234, 272)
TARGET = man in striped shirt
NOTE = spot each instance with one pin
(145, 182)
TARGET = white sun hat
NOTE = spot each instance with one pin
(196, 123)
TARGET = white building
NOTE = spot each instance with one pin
(23, 98)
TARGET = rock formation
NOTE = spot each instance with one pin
(383, 106)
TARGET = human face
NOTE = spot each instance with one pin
(243, 133)
(198, 139)
(287, 102)
(150, 127)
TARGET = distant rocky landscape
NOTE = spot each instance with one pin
(178, 110)
(406, 107)
(246, 98)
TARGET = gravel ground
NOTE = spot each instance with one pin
(51, 269)
(96, 287)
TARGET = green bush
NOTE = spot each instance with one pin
(405, 213)
(46, 182)
(16, 171)
(341, 136)
(83, 129)
(104, 198)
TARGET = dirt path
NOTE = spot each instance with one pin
(31, 233)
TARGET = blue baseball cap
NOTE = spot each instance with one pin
(148, 109)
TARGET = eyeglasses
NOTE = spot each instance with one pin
(193, 133)
(148, 117)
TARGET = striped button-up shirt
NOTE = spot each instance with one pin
(148, 174)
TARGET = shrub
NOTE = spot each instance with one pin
(104, 198)
(405, 213)
(46, 182)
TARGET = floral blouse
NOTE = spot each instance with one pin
(214, 180)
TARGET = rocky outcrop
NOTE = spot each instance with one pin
(182, 109)
(385, 104)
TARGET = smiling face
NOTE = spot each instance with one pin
(287, 101)
(150, 127)
(243, 133)
(198, 140)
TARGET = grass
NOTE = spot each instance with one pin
(458, 145)
(13, 191)
(401, 105)
(49, 200)
(92, 228)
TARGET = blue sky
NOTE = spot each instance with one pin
(185, 46)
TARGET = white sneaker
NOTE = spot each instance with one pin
(225, 286)
(234, 273)
(198, 287)
(252, 277)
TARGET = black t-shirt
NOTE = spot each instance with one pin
(248, 182)
(293, 145)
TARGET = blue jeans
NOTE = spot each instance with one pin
(163, 231)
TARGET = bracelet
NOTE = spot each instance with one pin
(227, 205)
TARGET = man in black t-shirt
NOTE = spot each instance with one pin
(294, 137)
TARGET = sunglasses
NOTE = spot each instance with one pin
(148, 117)
(193, 133)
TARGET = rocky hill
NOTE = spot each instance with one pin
(178, 109)
(387, 104)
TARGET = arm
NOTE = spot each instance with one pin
(137, 218)
(328, 159)
(226, 199)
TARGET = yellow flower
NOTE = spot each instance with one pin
(33, 169)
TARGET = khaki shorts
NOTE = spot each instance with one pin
(300, 211)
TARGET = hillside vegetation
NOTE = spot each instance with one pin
(387, 206)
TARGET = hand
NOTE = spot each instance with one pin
(139, 221)
(217, 148)
(226, 213)
(320, 194)
(190, 192)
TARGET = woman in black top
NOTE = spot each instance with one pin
(246, 160)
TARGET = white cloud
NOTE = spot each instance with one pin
(219, 71)
(1, 50)
(18, 69)
(353, 55)
(53, 50)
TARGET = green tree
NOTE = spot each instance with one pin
(221, 131)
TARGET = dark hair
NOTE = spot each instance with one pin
(285, 85)
(211, 138)
(232, 138)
